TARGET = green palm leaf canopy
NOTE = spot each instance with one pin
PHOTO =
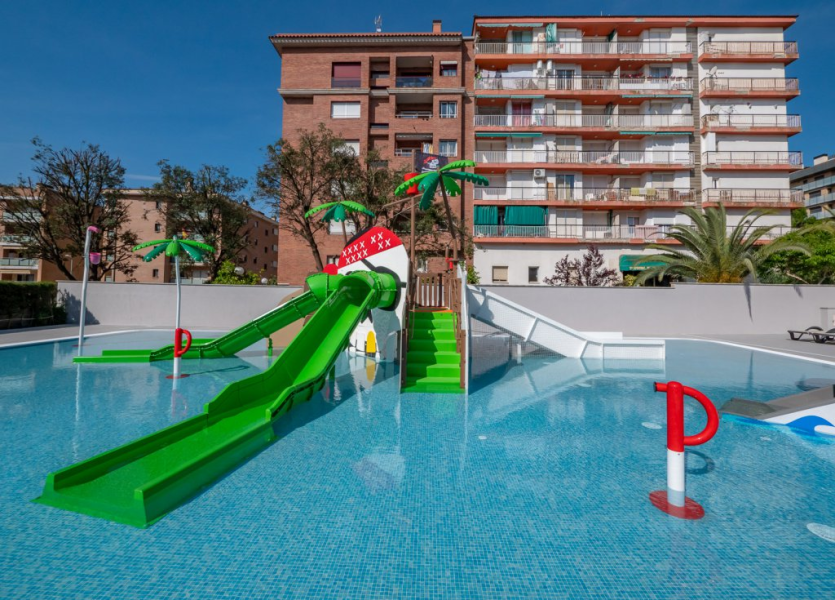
(428, 182)
(338, 211)
(174, 247)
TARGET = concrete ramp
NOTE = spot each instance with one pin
(541, 331)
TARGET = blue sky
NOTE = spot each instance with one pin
(195, 81)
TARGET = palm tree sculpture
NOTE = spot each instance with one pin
(175, 248)
(445, 177)
(712, 252)
(338, 211)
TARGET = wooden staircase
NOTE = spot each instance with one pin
(434, 351)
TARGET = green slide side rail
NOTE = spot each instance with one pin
(142, 481)
(237, 339)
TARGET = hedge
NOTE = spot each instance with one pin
(27, 304)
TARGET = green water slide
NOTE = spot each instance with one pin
(142, 481)
(234, 341)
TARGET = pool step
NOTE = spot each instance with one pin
(433, 364)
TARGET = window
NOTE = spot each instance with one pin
(265, 249)
(159, 204)
(332, 259)
(254, 260)
(449, 110)
(345, 75)
(155, 273)
(266, 232)
(499, 274)
(157, 227)
(351, 147)
(422, 265)
(449, 68)
(448, 148)
(345, 110)
(533, 274)
(660, 72)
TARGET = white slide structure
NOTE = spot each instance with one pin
(541, 331)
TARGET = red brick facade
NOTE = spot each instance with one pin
(403, 78)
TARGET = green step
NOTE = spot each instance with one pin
(433, 370)
(433, 334)
(428, 345)
(431, 316)
(433, 385)
(432, 358)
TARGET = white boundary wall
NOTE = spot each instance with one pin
(216, 307)
(686, 309)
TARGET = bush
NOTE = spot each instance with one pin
(473, 278)
(28, 304)
(226, 276)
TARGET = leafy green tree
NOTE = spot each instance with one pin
(71, 189)
(817, 267)
(712, 252)
(226, 275)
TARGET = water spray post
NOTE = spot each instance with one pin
(87, 258)
(179, 350)
(673, 500)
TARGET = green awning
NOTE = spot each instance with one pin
(486, 215)
(628, 263)
(637, 133)
(524, 215)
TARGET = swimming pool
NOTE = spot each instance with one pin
(534, 486)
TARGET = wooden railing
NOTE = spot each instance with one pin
(454, 288)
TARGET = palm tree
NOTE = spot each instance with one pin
(175, 248)
(338, 211)
(444, 178)
(711, 252)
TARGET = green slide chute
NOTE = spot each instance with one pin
(237, 339)
(142, 481)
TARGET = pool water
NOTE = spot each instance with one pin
(534, 486)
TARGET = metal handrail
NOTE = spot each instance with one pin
(751, 121)
(663, 157)
(632, 122)
(651, 47)
(745, 48)
(585, 194)
(583, 83)
(753, 157)
(749, 84)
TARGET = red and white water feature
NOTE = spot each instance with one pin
(180, 350)
(673, 500)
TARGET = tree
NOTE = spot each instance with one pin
(227, 275)
(816, 267)
(445, 179)
(339, 211)
(70, 190)
(712, 252)
(587, 272)
(208, 204)
(298, 177)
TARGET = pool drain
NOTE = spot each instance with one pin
(824, 532)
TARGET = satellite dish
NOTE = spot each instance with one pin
(712, 72)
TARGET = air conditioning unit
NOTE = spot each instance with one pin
(538, 173)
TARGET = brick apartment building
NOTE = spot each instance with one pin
(396, 93)
(148, 223)
(591, 129)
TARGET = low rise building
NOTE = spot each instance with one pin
(816, 184)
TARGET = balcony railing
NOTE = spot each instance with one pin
(645, 233)
(626, 122)
(345, 82)
(25, 216)
(820, 200)
(19, 262)
(777, 49)
(749, 84)
(584, 195)
(752, 196)
(414, 114)
(584, 83)
(405, 151)
(753, 158)
(14, 240)
(603, 48)
(413, 81)
(655, 157)
(751, 121)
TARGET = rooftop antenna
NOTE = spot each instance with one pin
(378, 23)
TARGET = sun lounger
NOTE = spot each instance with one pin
(796, 334)
(823, 336)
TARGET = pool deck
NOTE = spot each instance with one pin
(56, 332)
(775, 342)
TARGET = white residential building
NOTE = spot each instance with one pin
(600, 129)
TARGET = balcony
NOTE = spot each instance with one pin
(573, 234)
(413, 81)
(584, 196)
(346, 82)
(587, 85)
(821, 200)
(580, 121)
(784, 52)
(414, 114)
(24, 263)
(731, 123)
(13, 240)
(595, 159)
(628, 49)
(753, 160)
(752, 87)
(25, 216)
(753, 197)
